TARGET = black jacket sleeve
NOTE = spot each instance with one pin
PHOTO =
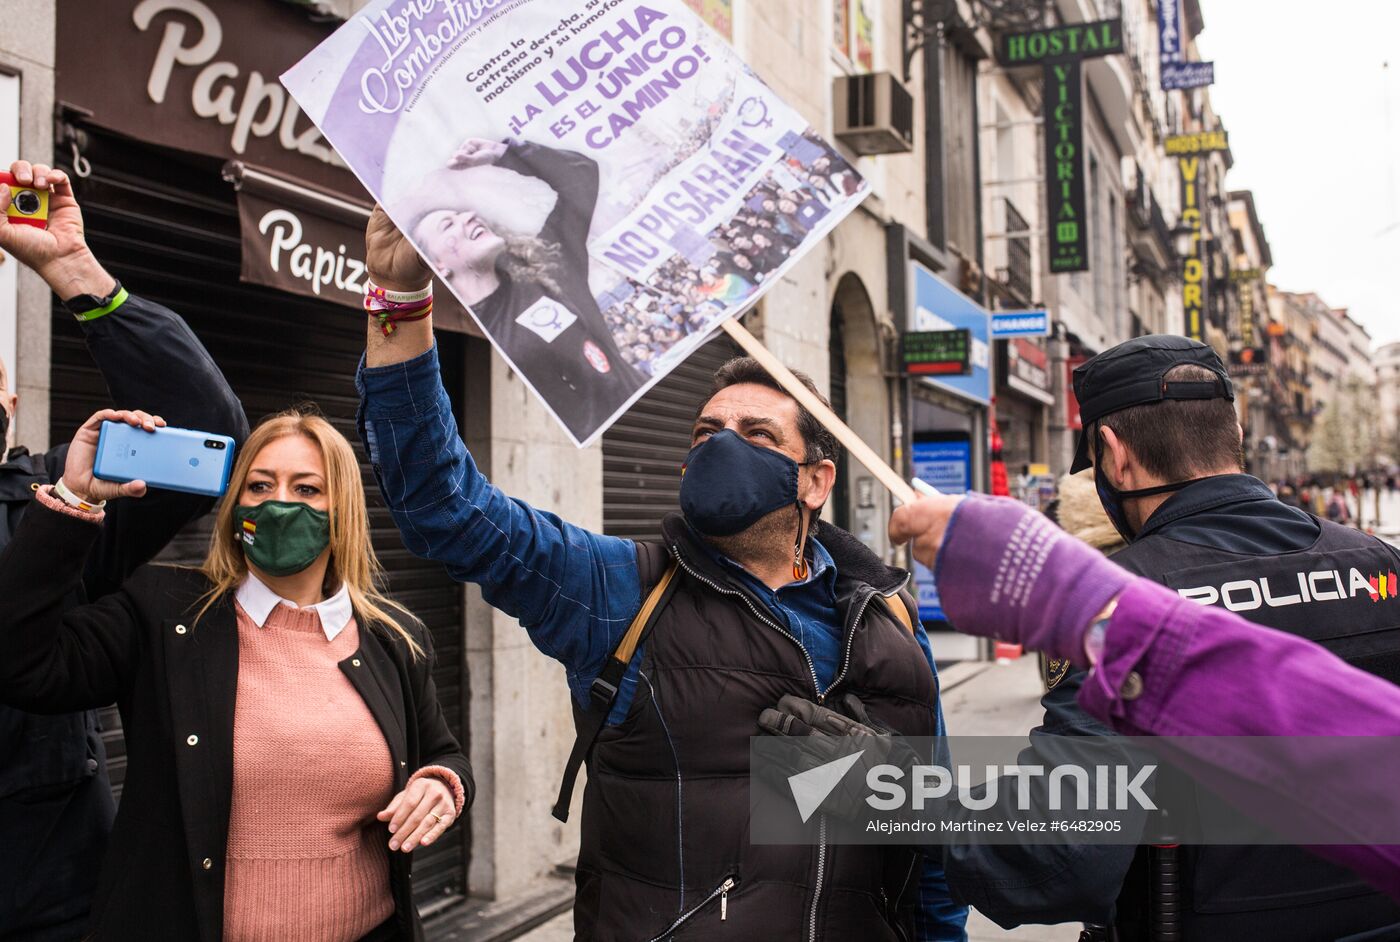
(574, 178)
(437, 744)
(1015, 884)
(55, 658)
(152, 361)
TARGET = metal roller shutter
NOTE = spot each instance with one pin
(643, 452)
(167, 226)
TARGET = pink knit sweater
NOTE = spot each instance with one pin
(306, 858)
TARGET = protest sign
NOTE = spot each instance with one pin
(601, 183)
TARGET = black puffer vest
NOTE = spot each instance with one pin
(666, 851)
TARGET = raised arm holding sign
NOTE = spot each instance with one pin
(759, 590)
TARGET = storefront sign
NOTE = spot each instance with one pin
(1069, 42)
(299, 251)
(197, 75)
(1184, 75)
(307, 243)
(1020, 324)
(936, 353)
(947, 465)
(1067, 227)
(938, 306)
(1193, 268)
(1201, 142)
(1026, 369)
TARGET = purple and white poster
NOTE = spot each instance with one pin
(600, 183)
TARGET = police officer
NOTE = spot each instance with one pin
(1160, 431)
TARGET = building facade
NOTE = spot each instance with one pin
(1387, 362)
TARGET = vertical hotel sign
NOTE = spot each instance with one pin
(1191, 152)
(1177, 73)
(1059, 52)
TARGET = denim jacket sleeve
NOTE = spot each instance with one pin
(574, 591)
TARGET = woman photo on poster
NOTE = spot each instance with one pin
(530, 291)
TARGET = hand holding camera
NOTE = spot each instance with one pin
(34, 193)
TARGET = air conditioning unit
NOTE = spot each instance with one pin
(874, 114)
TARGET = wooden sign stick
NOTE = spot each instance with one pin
(859, 450)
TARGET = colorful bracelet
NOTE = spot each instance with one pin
(388, 320)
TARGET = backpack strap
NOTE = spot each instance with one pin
(900, 608)
(602, 693)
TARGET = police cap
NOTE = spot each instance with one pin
(1134, 373)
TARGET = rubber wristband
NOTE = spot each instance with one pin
(399, 297)
(106, 309)
(62, 492)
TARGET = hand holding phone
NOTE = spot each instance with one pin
(78, 474)
(152, 454)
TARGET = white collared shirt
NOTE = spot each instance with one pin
(258, 601)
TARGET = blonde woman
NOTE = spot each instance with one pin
(286, 751)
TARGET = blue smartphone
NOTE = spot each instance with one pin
(177, 459)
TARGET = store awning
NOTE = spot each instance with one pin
(308, 241)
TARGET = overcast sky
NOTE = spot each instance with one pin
(1313, 113)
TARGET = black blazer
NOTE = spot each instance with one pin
(175, 683)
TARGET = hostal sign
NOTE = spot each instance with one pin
(1059, 51)
(1191, 151)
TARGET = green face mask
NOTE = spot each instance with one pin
(282, 537)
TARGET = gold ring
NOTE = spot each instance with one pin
(436, 816)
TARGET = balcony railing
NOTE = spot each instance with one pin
(1018, 254)
(1146, 214)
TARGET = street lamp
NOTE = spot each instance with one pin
(1185, 240)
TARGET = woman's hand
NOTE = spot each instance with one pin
(924, 522)
(82, 454)
(419, 814)
(476, 152)
(392, 260)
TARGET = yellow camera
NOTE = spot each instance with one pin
(28, 206)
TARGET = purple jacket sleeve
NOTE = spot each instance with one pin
(1172, 667)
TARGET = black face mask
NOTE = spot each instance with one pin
(1112, 498)
(729, 485)
(4, 429)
